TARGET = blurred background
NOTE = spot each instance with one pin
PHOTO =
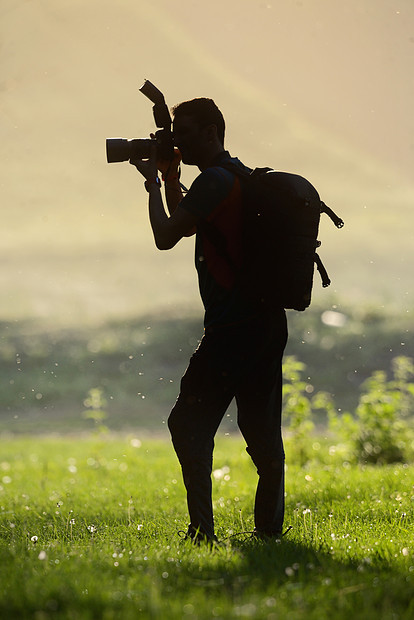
(322, 88)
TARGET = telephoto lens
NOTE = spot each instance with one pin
(121, 149)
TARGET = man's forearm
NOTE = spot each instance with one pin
(173, 194)
(173, 197)
(168, 229)
(158, 217)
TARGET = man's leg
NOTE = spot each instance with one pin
(259, 400)
(204, 397)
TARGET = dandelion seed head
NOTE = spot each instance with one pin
(222, 473)
(34, 539)
(42, 555)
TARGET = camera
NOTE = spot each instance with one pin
(122, 149)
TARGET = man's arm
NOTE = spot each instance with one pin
(173, 194)
(173, 197)
(170, 176)
(167, 230)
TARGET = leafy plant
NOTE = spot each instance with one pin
(297, 408)
(96, 407)
(381, 432)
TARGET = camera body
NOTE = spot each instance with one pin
(122, 149)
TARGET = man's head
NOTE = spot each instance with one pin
(198, 128)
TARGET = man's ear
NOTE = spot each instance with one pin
(211, 133)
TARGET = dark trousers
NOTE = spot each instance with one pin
(242, 362)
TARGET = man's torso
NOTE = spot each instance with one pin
(215, 198)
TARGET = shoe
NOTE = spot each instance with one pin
(196, 537)
(266, 534)
(269, 534)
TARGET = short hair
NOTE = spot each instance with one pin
(204, 111)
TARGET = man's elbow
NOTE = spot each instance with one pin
(164, 242)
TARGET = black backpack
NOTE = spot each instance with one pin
(281, 214)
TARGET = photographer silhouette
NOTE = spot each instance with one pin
(240, 354)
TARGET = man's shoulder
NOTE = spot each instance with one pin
(233, 165)
(213, 185)
(221, 174)
(214, 181)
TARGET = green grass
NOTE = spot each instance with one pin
(106, 511)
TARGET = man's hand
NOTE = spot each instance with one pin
(169, 169)
(168, 230)
(147, 167)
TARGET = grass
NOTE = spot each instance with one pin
(88, 529)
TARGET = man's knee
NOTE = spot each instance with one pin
(176, 425)
(182, 432)
(268, 462)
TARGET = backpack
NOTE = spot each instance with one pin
(281, 213)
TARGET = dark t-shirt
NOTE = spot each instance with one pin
(215, 199)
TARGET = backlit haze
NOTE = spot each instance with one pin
(323, 88)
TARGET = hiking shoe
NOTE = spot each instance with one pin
(197, 538)
(266, 534)
(269, 534)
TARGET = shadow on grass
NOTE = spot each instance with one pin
(268, 575)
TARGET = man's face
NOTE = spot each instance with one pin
(190, 139)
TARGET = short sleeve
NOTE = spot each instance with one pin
(208, 190)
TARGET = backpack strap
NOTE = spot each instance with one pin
(339, 223)
(322, 271)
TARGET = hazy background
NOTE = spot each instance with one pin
(323, 88)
